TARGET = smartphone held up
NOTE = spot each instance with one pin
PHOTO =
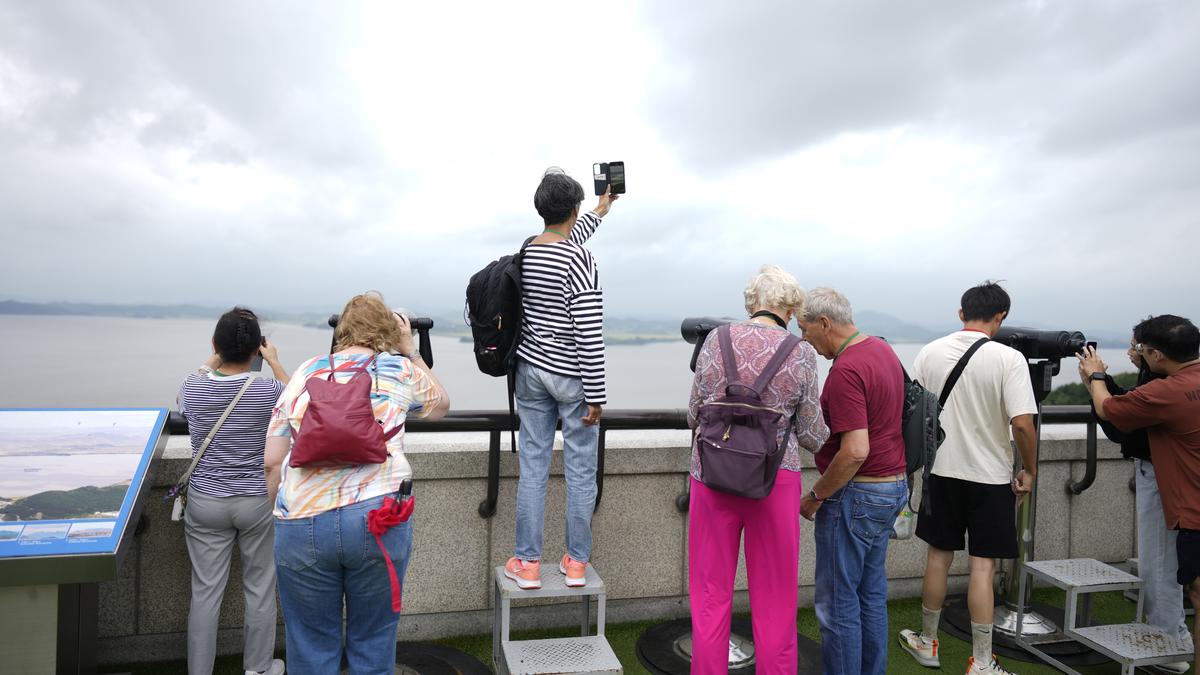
(605, 174)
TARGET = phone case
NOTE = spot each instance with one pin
(600, 177)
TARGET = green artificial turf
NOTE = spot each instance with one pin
(1106, 608)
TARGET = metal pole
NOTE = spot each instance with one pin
(1026, 521)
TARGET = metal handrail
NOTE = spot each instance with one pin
(496, 422)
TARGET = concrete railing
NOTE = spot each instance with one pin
(640, 540)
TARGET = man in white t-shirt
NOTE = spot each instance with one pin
(972, 489)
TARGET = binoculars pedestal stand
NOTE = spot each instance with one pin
(584, 654)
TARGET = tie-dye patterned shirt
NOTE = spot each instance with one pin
(399, 391)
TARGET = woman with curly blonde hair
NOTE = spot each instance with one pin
(324, 552)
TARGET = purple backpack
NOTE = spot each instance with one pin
(737, 434)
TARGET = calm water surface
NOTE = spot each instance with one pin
(62, 361)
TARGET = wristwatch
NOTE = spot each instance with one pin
(1098, 375)
(813, 493)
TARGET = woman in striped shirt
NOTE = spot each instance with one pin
(560, 375)
(227, 492)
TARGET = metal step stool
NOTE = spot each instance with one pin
(584, 654)
(1130, 644)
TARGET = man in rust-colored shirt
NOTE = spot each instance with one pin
(1169, 410)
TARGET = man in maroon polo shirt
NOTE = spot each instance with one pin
(1169, 410)
(862, 485)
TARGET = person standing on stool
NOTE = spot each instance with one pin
(560, 375)
(972, 489)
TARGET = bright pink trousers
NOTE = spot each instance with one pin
(716, 522)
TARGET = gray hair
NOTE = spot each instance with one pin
(774, 287)
(828, 303)
(557, 196)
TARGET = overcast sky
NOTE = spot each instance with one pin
(288, 154)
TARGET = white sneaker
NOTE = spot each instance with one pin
(1176, 668)
(992, 668)
(924, 650)
(277, 668)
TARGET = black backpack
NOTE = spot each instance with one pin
(922, 431)
(493, 311)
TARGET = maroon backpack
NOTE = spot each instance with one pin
(339, 426)
(737, 434)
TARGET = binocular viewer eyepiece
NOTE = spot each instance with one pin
(695, 328)
(421, 324)
(417, 322)
(1035, 343)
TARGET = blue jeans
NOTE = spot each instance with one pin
(1157, 562)
(542, 399)
(331, 559)
(852, 528)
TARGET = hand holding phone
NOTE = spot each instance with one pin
(256, 363)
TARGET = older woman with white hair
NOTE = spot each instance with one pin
(717, 520)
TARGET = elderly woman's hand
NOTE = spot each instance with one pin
(605, 202)
(405, 346)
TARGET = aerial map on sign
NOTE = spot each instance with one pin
(65, 475)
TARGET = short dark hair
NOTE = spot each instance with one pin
(237, 336)
(984, 301)
(1174, 336)
(557, 195)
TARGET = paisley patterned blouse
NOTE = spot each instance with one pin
(793, 389)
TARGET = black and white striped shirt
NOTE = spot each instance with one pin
(232, 465)
(563, 330)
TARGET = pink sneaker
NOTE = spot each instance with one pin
(575, 572)
(526, 574)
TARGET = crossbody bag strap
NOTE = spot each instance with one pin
(213, 432)
(958, 371)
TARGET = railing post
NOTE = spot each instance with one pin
(1089, 473)
(487, 508)
(599, 469)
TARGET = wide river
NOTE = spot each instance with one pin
(85, 361)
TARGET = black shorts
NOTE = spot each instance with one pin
(1187, 548)
(985, 513)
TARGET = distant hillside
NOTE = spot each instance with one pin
(14, 307)
(66, 504)
(895, 330)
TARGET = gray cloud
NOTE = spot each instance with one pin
(1084, 118)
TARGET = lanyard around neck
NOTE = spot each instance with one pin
(846, 344)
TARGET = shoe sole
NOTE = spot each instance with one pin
(572, 582)
(523, 584)
(923, 660)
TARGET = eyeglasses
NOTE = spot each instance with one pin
(1142, 348)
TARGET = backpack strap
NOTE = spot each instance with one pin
(727, 357)
(512, 406)
(785, 349)
(958, 371)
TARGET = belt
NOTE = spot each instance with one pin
(878, 479)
